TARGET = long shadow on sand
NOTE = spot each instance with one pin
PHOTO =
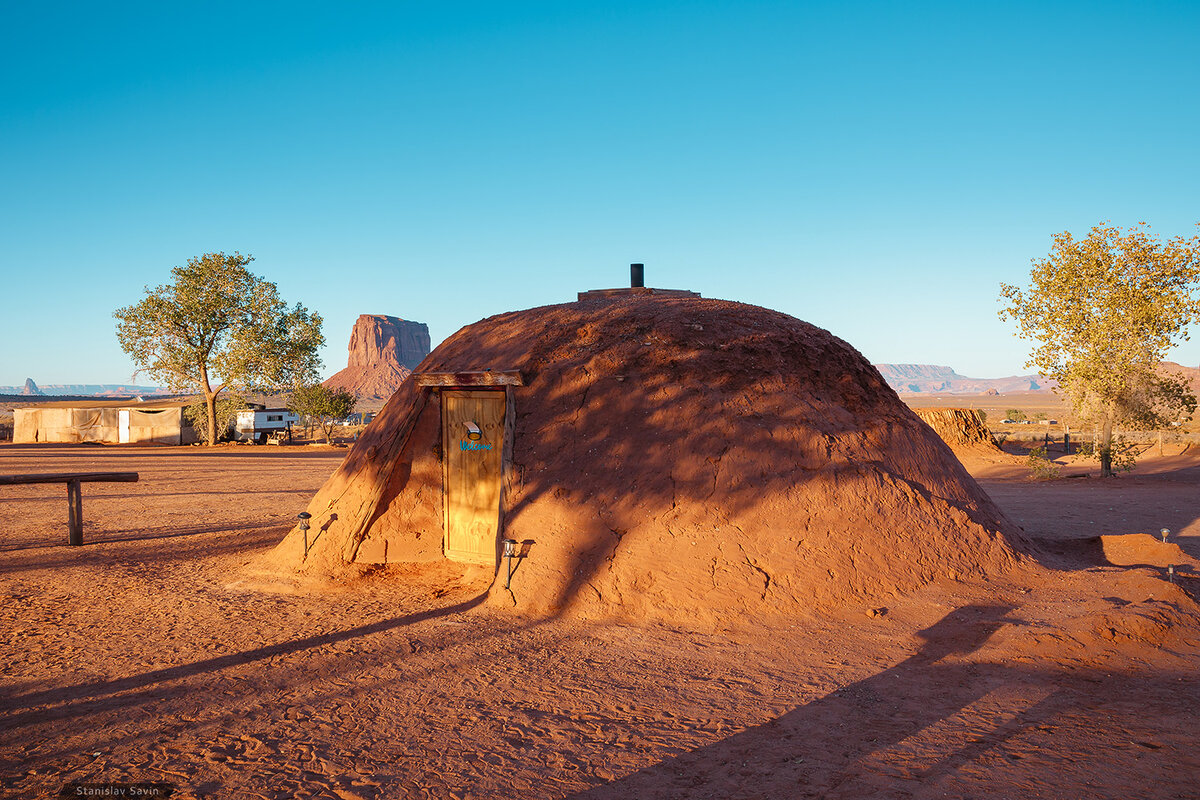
(147, 534)
(818, 750)
(148, 551)
(68, 696)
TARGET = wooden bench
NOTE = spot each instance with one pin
(73, 480)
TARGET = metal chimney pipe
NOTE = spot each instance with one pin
(637, 275)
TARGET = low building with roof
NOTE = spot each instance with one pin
(105, 421)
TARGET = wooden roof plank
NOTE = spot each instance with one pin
(636, 291)
(509, 377)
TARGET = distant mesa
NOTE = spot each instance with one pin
(936, 379)
(383, 352)
(32, 389)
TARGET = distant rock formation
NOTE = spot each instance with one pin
(936, 379)
(383, 352)
(918, 372)
(1190, 374)
(31, 389)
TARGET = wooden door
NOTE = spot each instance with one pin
(472, 447)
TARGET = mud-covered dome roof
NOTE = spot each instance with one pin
(680, 456)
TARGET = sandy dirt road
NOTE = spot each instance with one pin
(153, 654)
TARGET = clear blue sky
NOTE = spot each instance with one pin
(874, 168)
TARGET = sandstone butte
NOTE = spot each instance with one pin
(383, 352)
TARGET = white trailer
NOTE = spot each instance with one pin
(257, 425)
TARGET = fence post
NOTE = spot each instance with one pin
(74, 513)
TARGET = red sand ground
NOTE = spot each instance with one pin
(151, 655)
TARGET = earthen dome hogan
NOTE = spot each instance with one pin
(668, 457)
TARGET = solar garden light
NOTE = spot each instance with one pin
(510, 546)
(1164, 533)
(304, 518)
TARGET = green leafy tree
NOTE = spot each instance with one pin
(1104, 310)
(217, 323)
(325, 405)
(1015, 414)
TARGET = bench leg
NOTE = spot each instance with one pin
(74, 514)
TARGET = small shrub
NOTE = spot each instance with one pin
(1041, 468)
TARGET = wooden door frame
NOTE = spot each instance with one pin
(505, 457)
(507, 379)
